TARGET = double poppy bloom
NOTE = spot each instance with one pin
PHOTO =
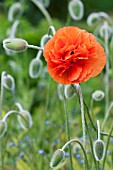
(73, 56)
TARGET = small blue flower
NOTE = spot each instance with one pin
(78, 156)
(66, 154)
(26, 137)
(40, 152)
(82, 161)
(21, 155)
(108, 152)
(56, 141)
(47, 122)
(11, 144)
(111, 140)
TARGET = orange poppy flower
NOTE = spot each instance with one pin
(73, 56)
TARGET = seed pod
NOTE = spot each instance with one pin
(76, 9)
(35, 68)
(69, 92)
(25, 119)
(15, 44)
(8, 82)
(3, 127)
(57, 158)
(99, 150)
(98, 95)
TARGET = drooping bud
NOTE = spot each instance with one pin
(15, 44)
(25, 119)
(3, 127)
(99, 150)
(8, 82)
(76, 9)
(98, 95)
(69, 92)
(57, 158)
(35, 68)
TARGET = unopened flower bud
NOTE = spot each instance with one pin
(57, 158)
(8, 82)
(25, 119)
(15, 44)
(98, 95)
(3, 127)
(35, 68)
(69, 92)
(76, 9)
(99, 150)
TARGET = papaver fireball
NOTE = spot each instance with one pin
(73, 56)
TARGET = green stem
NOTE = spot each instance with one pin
(75, 140)
(79, 92)
(102, 133)
(108, 140)
(43, 10)
(107, 68)
(68, 16)
(1, 102)
(68, 132)
(91, 144)
(107, 115)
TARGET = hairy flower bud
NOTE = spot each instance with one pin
(57, 158)
(76, 9)
(35, 68)
(8, 82)
(3, 127)
(99, 150)
(15, 44)
(69, 92)
(25, 119)
(98, 95)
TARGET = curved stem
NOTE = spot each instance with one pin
(51, 28)
(9, 113)
(75, 140)
(43, 10)
(19, 106)
(14, 29)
